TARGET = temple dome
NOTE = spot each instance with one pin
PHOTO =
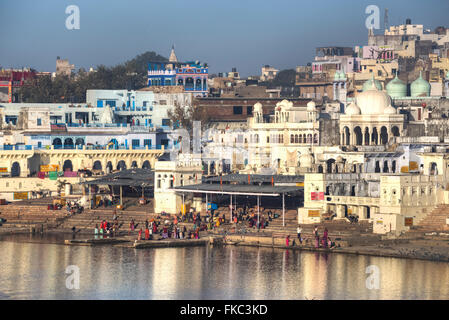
(258, 108)
(396, 88)
(173, 57)
(311, 106)
(373, 101)
(306, 160)
(369, 83)
(390, 110)
(284, 105)
(420, 87)
(352, 109)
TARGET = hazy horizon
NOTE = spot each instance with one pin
(246, 34)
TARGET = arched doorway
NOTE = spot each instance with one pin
(109, 167)
(377, 168)
(383, 135)
(189, 84)
(67, 166)
(395, 131)
(366, 136)
(134, 165)
(57, 143)
(385, 168)
(68, 143)
(329, 165)
(198, 85)
(146, 165)
(79, 142)
(121, 165)
(358, 136)
(347, 134)
(15, 169)
(97, 165)
(374, 136)
(433, 169)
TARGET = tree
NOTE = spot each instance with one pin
(130, 75)
(183, 117)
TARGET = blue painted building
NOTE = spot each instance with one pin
(192, 75)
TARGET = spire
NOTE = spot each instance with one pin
(173, 55)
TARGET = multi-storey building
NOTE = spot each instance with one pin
(191, 75)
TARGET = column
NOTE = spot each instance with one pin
(340, 211)
(362, 212)
(353, 137)
(334, 87)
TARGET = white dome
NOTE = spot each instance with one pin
(373, 101)
(390, 110)
(311, 106)
(283, 105)
(258, 107)
(306, 160)
(352, 109)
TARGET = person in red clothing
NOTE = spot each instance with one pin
(154, 227)
(287, 241)
(147, 234)
(139, 237)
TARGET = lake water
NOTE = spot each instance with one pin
(34, 267)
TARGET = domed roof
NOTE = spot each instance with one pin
(372, 101)
(390, 110)
(284, 105)
(311, 106)
(369, 83)
(397, 88)
(258, 107)
(306, 160)
(352, 109)
(420, 87)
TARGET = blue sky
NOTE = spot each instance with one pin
(245, 34)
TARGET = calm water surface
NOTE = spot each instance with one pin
(34, 268)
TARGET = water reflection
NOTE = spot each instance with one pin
(35, 270)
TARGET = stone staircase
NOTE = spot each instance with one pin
(358, 233)
(435, 221)
(25, 217)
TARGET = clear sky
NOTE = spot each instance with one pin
(245, 34)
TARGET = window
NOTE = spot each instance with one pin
(39, 122)
(164, 142)
(249, 110)
(135, 142)
(379, 73)
(165, 122)
(147, 142)
(111, 103)
(163, 102)
(238, 110)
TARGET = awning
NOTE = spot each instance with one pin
(129, 177)
(239, 189)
